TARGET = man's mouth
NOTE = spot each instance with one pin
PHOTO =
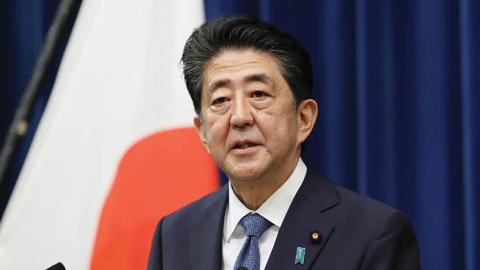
(244, 145)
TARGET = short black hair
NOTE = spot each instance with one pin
(212, 37)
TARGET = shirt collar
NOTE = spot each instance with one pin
(274, 209)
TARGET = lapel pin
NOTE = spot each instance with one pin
(300, 255)
(315, 236)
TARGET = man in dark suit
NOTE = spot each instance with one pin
(251, 86)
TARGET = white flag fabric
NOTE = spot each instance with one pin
(116, 132)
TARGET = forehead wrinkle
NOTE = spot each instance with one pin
(218, 83)
(232, 63)
(259, 77)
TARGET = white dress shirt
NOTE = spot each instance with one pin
(273, 209)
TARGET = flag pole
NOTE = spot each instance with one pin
(20, 124)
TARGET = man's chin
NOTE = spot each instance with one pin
(245, 174)
(245, 169)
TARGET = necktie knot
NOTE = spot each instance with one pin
(255, 224)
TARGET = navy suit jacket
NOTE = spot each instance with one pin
(356, 233)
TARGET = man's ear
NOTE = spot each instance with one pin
(198, 125)
(307, 116)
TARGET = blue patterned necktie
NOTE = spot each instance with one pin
(249, 257)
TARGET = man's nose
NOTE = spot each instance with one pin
(241, 113)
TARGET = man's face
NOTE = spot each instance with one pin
(248, 120)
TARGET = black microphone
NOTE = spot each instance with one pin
(57, 266)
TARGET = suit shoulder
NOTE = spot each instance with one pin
(350, 202)
(374, 232)
(362, 202)
(196, 208)
(361, 207)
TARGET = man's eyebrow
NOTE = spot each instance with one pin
(256, 77)
(218, 84)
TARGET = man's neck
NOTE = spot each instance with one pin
(254, 193)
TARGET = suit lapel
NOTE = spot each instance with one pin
(304, 216)
(207, 231)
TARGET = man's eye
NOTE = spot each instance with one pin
(258, 94)
(219, 101)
